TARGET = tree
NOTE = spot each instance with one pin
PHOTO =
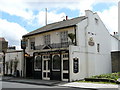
(72, 37)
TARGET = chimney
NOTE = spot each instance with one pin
(114, 33)
(66, 17)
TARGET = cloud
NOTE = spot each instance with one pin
(26, 8)
(51, 17)
(110, 18)
(17, 8)
(12, 32)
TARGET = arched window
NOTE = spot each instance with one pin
(56, 62)
(37, 63)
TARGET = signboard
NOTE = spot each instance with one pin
(23, 44)
(91, 41)
(75, 65)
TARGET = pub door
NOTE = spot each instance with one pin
(56, 67)
(46, 67)
(29, 66)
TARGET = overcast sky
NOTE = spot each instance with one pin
(18, 17)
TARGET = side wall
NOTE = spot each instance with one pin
(97, 58)
(75, 52)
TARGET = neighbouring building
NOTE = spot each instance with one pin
(1, 63)
(14, 62)
(115, 54)
(3, 48)
(69, 50)
(115, 42)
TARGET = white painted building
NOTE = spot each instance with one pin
(115, 42)
(10, 58)
(119, 24)
(55, 57)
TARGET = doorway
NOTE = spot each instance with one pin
(56, 67)
(46, 67)
(29, 67)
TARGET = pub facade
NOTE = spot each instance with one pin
(68, 50)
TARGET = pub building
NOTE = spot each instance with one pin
(68, 50)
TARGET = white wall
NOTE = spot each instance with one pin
(75, 51)
(114, 43)
(15, 54)
(119, 19)
(95, 62)
(101, 60)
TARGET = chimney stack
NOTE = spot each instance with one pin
(114, 33)
(66, 17)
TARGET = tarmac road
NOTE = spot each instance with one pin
(21, 86)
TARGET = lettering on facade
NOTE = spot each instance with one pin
(75, 65)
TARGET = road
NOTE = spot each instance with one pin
(15, 86)
(21, 86)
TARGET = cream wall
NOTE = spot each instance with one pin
(54, 35)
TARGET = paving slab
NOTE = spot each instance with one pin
(90, 85)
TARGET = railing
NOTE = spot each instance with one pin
(54, 45)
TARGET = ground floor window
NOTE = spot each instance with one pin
(37, 63)
(56, 62)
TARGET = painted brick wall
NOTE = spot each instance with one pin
(115, 57)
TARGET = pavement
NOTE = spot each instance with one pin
(33, 81)
(60, 83)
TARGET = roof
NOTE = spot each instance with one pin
(57, 25)
(115, 36)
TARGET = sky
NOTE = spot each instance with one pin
(18, 17)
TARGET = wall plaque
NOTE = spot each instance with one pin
(91, 41)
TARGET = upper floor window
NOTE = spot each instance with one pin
(64, 36)
(47, 39)
(32, 45)
(98, 47)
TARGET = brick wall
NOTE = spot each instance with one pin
(115, 57)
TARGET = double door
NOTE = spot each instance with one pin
(46, 67)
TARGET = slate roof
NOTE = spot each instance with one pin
(56, 26)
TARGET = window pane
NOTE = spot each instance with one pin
(48, 64)
(44, 65)
(37, 62)
(56, 62)
(64, 36)
(47, 39)
(65, 65)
